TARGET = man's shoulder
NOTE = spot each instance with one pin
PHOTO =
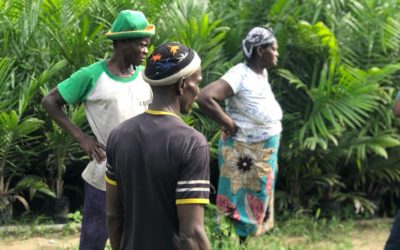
(171, 127)
(91, 71)
(191, 134)
(78, 85)
(131, 122)
(94, 67)
(196, 133)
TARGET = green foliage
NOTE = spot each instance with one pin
(219, 231)
(62, 149)
(294, 231)
(17, 133)
(337, 75)
(207, 127)
(74, 223)
(190, 23)
(77, 37)
(335, 84)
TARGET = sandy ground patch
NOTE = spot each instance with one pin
(371, 236)
(42, 243)
(368, 235)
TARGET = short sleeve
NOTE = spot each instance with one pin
(77, 87)
(234, 78)
(110, 174)
(193, 186)
(110, 169)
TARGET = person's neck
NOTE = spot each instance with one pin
(166, 103)
(119, 67)
(254, 66)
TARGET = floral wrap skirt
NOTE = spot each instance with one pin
(247, 182)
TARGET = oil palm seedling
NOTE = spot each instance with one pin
(17, 130)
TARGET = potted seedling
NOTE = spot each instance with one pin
(62, 150)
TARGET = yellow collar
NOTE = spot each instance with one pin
(158, 112)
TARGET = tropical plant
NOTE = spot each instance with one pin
(191, 23)
(328, 102)
(219, 229)
(77, 37)
(62, 149)
(337, 76)
(16, 132)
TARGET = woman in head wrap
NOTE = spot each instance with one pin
(248, 147)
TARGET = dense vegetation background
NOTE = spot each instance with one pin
(336, 80)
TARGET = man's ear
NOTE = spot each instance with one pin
(181, 85)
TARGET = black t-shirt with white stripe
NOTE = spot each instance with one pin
(157, 163)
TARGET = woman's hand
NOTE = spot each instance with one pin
(230, 130)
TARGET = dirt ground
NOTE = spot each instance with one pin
(370, 239)
(42, 243)
(362, 238)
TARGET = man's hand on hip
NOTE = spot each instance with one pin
(93, 148)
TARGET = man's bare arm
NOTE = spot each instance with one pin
(53, 103)
(114, 215)
(192, 234)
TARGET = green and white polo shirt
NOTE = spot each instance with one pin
(108, 101)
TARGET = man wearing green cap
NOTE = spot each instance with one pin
(111, 91)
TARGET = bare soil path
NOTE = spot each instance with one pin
(50, 242)
(367, 235)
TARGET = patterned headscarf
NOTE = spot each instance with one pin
(256, 37)
(170, 62)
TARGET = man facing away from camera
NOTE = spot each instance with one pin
(157, 166)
